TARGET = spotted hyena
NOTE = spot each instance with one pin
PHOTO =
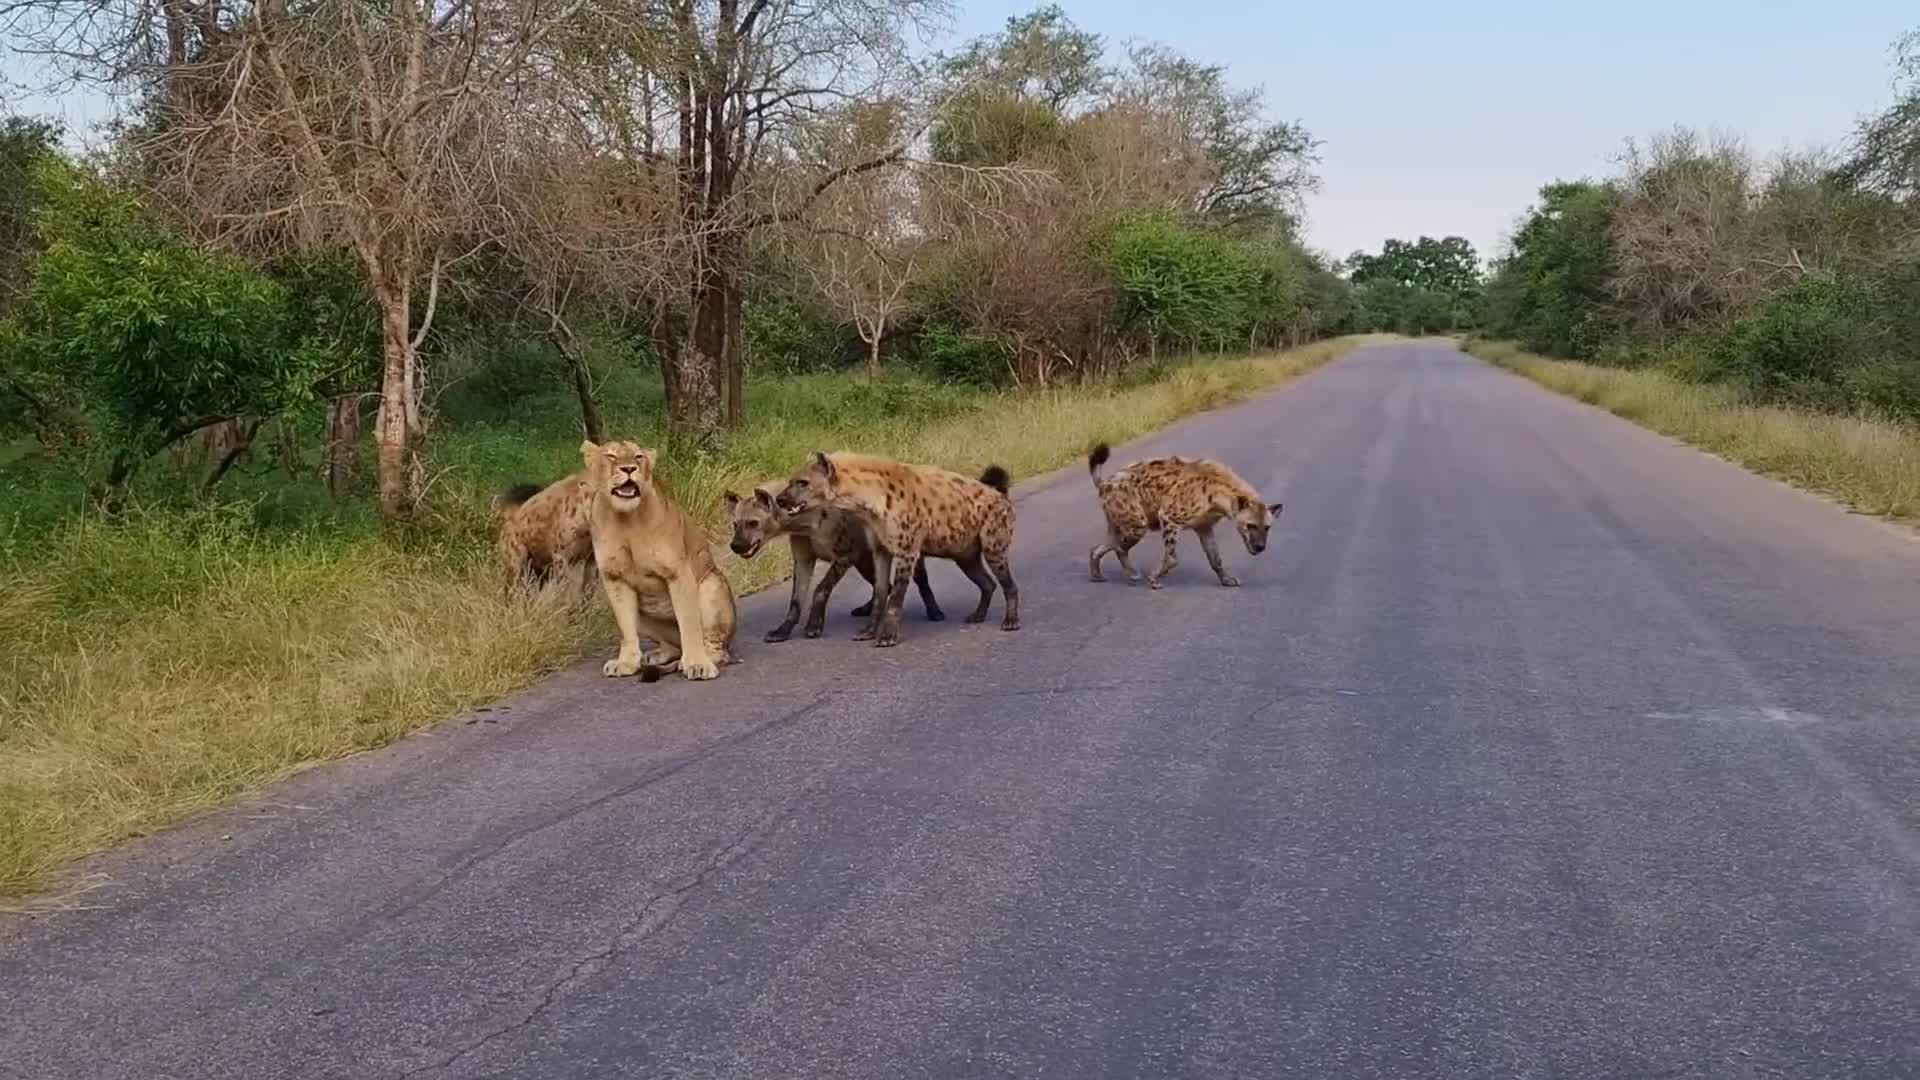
(834, 536)
(544, 533)
(913, 511)
(1171, 494)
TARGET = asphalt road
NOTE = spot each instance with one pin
(1535, 746)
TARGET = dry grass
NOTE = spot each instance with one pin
(1870, 465)
(154, 669)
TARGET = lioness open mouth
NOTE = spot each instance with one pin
(626, 489)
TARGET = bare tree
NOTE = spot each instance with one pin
(709, 107)
(1683, 233)
(865, 236)
(378, 127)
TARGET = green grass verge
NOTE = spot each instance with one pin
(1868, 464)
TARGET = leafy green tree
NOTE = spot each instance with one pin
(1885, 155)
(164, 338)
(1040, 57)
(988, 128)
(1552, 289)
(24, 143)
(1177, 284)
(334, 324)
(1261, 168)
(1416, 288)
(29, 401)
(1448, 267)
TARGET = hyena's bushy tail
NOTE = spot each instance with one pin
(996, 478)
(1097, 460)
(514, 496)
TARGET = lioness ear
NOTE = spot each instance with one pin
(588, 449)
(1275, 508)
(823, 463)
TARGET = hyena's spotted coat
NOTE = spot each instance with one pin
(913, 511)
(835, 536)
(1171, 494)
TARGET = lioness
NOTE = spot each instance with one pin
(657, 570)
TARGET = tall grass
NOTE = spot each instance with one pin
(1869, 464)
(156, 667)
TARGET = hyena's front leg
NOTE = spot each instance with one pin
(1207, 544)
(817, 613)
(896, 597)
(864, 564)
(802, 577)
(1171, 534)
(883, 561)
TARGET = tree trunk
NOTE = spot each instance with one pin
(665, 339)
(392, 432)
(343, 443)
(736, 356)
(873, 350)
(582, 383)
(243, 436)
(699, 390)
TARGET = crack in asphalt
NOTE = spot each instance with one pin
(658, 911)
(662, 771)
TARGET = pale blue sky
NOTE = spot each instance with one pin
(1446, 118)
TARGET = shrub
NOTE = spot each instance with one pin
(1795, 343)
(955, 355)
(790, 338)
(161, 335)
(1178, 283)
(1888, 387)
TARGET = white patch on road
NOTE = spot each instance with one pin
(1744, 716)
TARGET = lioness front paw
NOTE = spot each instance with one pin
(699, 669)
(620, 667)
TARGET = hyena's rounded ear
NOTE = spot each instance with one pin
(824, 463)
(1242, 503)
(729, 500)
(1275, 508)
(764, 498)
